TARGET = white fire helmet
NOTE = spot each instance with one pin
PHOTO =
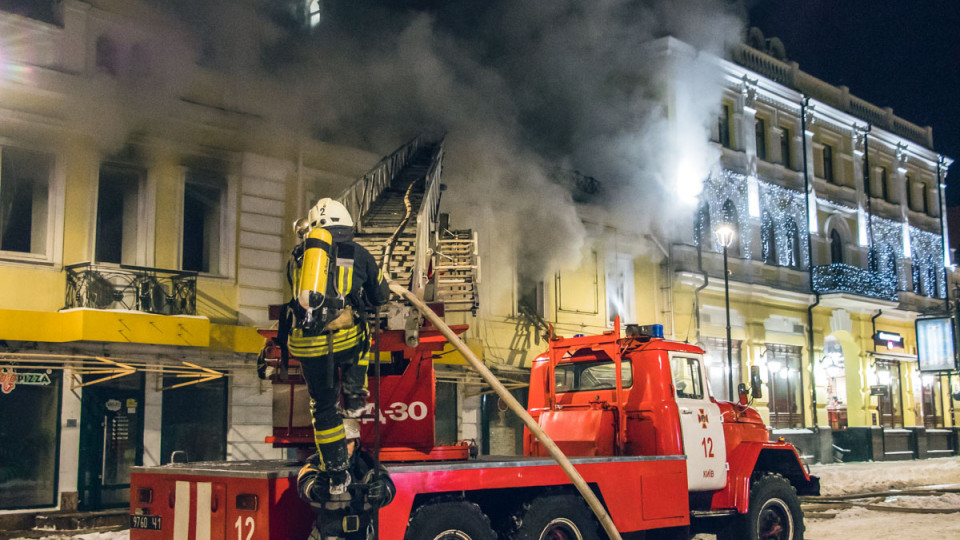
(328, 212)
(352, 427)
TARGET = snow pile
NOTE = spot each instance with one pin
(849, 478)
(118, 535)
(944, 501)
(863, 523)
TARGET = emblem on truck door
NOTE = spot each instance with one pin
(703, 418)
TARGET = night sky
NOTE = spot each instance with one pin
(904, 55)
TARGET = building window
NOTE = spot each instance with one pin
(314, 12)
(783, 382)
(106, 55)
(621, 299)
(915, 272)
(908, 186)
(30, 409)
(828, 163)
(836, 247)
(701, 229)
(793, 243)
(723, 126)
(931, 288)
(768, 238)
(884, 194)
(203, 203)
(761, 128)
(118, 213)
(24, 200)
(530, 298)
(785, 148)
(715, 361)
(201, 432)
(731, 217)
(925, 199)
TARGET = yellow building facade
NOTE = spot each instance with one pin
(145, 231)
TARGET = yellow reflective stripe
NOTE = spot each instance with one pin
(318, 346)
(328, 436)
(340, 272)
(380, 276)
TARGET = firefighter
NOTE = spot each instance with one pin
(333, 280)
(348, 515)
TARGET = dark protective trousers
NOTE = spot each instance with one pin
(329, 361)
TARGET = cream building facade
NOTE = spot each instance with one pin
(840, 248)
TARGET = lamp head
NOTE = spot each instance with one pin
(725, 234)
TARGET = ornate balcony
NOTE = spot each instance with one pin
(846, 279)
(151, 290)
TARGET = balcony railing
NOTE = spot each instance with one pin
(843, 278)
(151, 290)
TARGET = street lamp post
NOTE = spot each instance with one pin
(725, 234)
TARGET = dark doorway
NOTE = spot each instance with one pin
(200, 431)
(930, 397)
(111, 440)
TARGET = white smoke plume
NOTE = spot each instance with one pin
(521, 87)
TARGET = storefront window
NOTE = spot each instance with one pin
(29, 421)
(834, 371)
(201, 432)
(783, 383)
(716, 363)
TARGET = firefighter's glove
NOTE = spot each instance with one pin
(312, 482)
(380, 490)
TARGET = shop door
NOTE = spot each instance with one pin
(888, 403)
(111, 440)
(931, 419)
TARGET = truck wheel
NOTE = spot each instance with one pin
(774, 513)
(555, 517)
(455, 520)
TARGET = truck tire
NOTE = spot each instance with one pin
(555, 517)
(454, 520)
(774, 512)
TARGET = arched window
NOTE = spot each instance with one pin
(793, 243)
(873, 260)
(106, 55)
(931, 281)
(314, 12)
(702, 231)
(892, 266)
(768, 238)
(836, 248)
(915, 267)
(731, 217)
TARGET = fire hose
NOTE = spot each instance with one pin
(589, 496)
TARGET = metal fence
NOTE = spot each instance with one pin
(136, 288)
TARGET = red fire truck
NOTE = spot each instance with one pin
(633, 413)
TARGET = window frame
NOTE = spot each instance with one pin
(626, 368)
(826, 161)
(52, 253)
(786, 147)
(228, 218)
(139, 256)
(760, 129)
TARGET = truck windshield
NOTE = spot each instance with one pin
(600, 375)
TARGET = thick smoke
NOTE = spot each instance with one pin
(520, 87)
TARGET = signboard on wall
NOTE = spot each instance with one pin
(935, 345)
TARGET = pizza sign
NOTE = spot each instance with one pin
(9, 379)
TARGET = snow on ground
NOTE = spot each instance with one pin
(850, 524)
(845, 478)
(119, 535)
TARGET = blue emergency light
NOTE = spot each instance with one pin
(652, 330)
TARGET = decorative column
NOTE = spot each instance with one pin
(859, 147)
(748, 134)
(901, 183)
(809, 120)
(944, 164)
